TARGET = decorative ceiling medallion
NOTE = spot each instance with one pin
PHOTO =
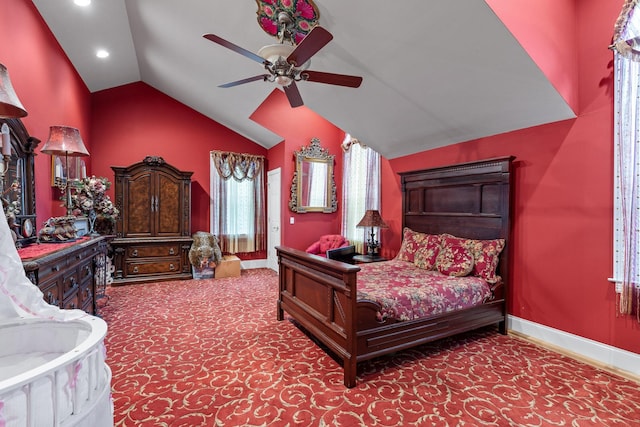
(302, 15)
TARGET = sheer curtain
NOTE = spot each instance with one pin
(626, 47)
(237, 201)
(360, 189)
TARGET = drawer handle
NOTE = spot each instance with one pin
(135, 269)
(55, 268)
(171, 251)
(78, 256)
(172, 267)
(74, 284)
(52, 300)
(72, 305)
(134, 253)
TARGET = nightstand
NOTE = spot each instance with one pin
(363, 259)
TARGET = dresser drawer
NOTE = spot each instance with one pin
(85, 298)
(52, 269)
(72, 302)
(153, 267)
(85, 271)
(51, 293)
(153, 251)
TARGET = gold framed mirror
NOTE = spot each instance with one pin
(313, 188)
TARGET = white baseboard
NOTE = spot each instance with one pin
(253, 263)
(609, 357)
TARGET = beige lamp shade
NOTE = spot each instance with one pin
(10, 105)
(64, 141)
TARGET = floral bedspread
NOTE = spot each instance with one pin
(407, 292)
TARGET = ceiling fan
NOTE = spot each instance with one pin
(287, 64)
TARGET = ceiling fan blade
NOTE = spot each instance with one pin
(247, 80)
(331, 78)
(317, 38)
(293, 95)
(235, 48)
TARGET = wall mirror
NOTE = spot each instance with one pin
(313, 188)
(17, 181)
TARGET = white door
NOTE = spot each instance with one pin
(273, 217)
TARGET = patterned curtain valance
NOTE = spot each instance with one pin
(626, 32)
(237, 165)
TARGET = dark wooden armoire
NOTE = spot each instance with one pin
(153, 230)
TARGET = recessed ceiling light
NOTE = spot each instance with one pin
(82, 2)
(101, 53)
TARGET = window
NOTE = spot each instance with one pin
(626, 258)
(360, 189)
(237, 201)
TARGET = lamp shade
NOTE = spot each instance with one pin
(64, 140)
(10, 106)
(372, 218)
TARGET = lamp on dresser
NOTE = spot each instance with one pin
(372, 219)
(65, 141)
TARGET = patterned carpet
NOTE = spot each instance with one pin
(211, 353)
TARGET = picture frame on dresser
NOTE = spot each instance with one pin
(82, 226)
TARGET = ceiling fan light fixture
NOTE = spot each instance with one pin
(273, 53)
(283, 80)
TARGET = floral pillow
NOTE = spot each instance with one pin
(455, 260)
(426, 255)
(411, 242)
(485, 255)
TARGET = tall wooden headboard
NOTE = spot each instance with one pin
(470, 200)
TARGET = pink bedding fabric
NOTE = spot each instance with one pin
(407, 292)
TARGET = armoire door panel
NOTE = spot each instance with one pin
(139, 222)
(169, 206)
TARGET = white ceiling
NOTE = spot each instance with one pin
(436, 72)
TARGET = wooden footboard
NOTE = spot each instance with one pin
(320, 294)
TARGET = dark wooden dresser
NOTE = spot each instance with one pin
(153, 230)
(68, 274)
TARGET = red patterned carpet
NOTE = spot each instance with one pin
(211, 353)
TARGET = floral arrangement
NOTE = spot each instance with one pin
(89, 195)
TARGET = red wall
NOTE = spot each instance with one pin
(132, 121)
(562, 229)
(297, 126)
(48, 87)
(547, 31)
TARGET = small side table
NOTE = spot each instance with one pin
(363, 259)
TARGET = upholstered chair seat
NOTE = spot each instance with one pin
(327, 242)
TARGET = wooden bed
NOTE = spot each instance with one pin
(471, 200)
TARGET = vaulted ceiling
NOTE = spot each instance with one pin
(436, 72)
